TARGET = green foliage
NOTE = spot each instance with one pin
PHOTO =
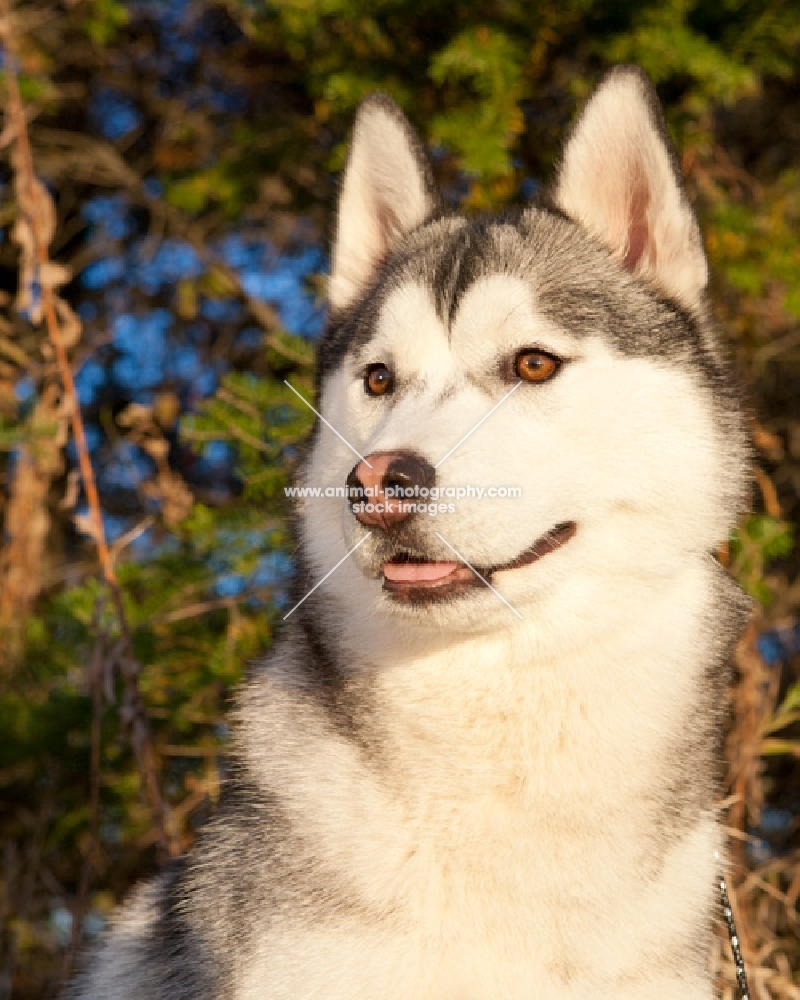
(787, 714)
(755, 245)
(11, 435)
(105, 19)
(755, 544)
(481, 129)
(260, 417)
(220, 185)
(663, 42)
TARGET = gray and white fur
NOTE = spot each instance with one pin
(437, 796)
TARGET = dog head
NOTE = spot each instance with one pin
(523, 408)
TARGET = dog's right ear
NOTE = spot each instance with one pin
(387, 191)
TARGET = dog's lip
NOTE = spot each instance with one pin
(404, 573)
(549, 542)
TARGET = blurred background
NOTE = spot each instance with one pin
(171, 259)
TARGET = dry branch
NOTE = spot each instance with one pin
(34, 231)
(98, 162)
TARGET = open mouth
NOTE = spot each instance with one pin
(411, 579)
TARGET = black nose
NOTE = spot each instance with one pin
(401, 474)
(409, 472)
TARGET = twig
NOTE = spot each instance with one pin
(193, 610)
(776, 347)
(170, 750)
(28, 189)
(26, 180)
(769, 494)
(105, 159)
(239, 404)
(748, 838)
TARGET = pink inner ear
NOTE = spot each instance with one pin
(388, 223)
(639, 244)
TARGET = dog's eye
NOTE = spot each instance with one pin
(378, 380)
(535, 366)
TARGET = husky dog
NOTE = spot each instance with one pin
(480, 762)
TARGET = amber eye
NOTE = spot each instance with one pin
(535, 366)
(378, 380)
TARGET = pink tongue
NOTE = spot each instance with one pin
(412, 572)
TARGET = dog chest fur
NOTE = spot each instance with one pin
(507, 821)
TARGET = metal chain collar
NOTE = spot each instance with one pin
(736, 950)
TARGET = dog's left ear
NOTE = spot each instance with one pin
(620, 179)
(387, 191)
